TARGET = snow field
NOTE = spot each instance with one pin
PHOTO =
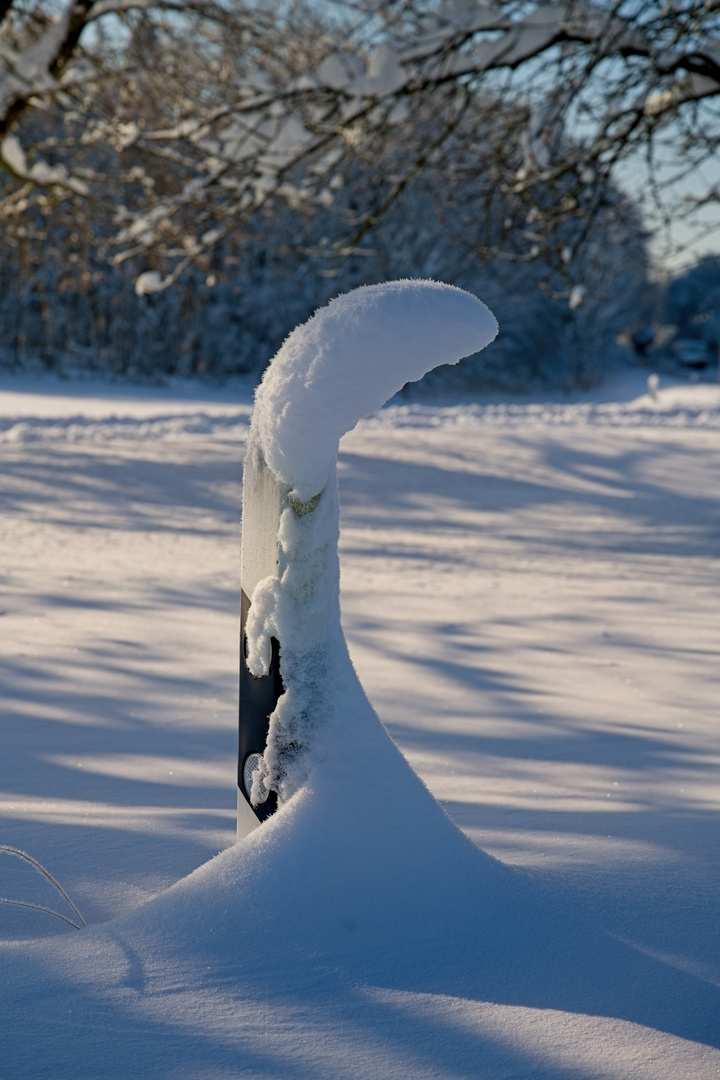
(532, 611)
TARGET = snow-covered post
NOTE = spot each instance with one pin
(341, 365)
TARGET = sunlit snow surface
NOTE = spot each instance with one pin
(531, 604)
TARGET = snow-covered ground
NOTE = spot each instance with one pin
(530, 594)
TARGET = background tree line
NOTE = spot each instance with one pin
(184, 182)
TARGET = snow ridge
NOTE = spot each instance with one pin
(678, 407)
(635, 414)
(90, 429)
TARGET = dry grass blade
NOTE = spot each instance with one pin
(37, 907)
(45, 873)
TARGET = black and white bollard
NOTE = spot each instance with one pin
(341, 365)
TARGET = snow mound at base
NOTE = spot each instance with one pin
(363, 878)
(357, 934)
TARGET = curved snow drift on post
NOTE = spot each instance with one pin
(347, 360)
(339, 366)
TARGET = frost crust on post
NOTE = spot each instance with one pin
(301, 609)
(342, 364)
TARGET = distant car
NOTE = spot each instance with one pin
(642, 341)
(691, 353)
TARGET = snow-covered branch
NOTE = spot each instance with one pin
(221, 112)
(33, 70)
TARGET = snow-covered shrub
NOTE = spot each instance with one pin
(65, 307)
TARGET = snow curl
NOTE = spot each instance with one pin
(348, 359)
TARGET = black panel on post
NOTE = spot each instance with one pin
(258, 698)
